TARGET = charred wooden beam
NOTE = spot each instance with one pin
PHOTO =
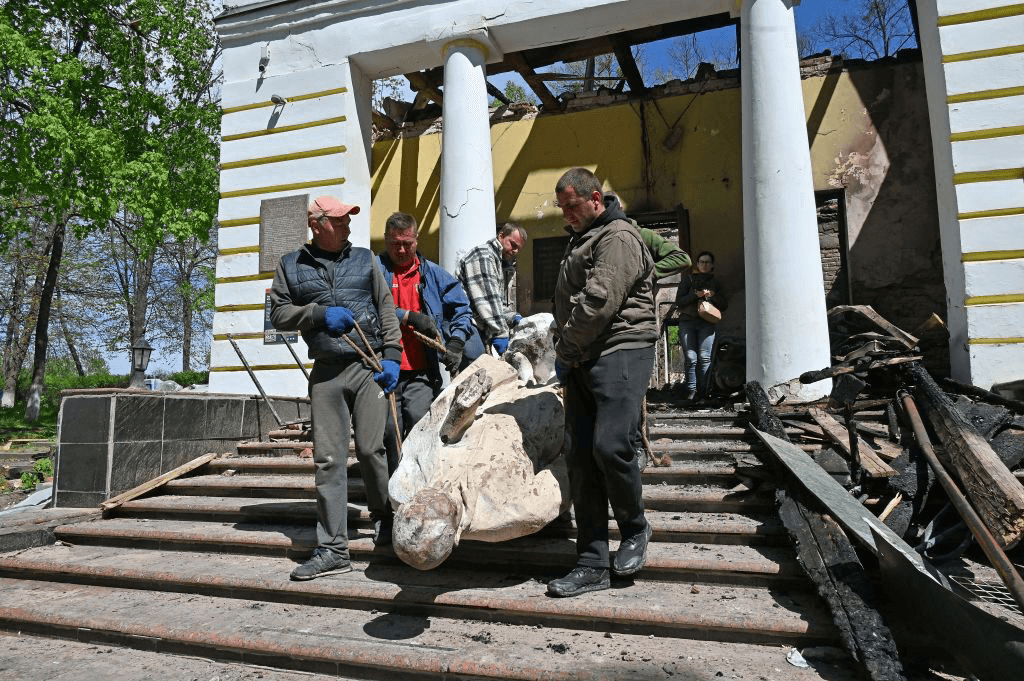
(829, 559)
(868, 458)
(535, 82)
(1007, 572)
(994, 492)
(983, 395)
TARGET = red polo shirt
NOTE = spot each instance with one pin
(405, 289)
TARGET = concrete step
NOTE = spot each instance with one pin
(670, 609)
(667, 560)
(659, 497)
(710, 471)
(361, 642)
(709, 528)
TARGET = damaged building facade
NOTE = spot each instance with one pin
(799, 172)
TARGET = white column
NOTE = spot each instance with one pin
(787, 331)
(358, 158)
(467, 180)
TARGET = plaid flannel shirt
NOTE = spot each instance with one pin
(487, 285)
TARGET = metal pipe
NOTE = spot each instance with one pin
(295, 356)
(252, 375)
(1011, 578)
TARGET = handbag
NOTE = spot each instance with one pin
(708, 312)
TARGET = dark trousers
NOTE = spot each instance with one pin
(602, 413)
(344, 398)
(415, 393)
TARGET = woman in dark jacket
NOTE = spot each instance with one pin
(697, 336)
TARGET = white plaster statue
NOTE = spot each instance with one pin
(484, 464)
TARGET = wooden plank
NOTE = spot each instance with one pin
(881, 322)
(992, 489)
(158, 481)
(873, 466)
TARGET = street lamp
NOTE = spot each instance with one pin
(141, 351)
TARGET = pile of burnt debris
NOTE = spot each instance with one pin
(939, 464)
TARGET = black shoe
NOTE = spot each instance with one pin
(581, 580)
(632, 554)
(322, 563)
(382, 531)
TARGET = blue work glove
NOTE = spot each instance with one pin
(387, 378)
(500, 344)
(339, 320)
(561, 371)
(515, 320)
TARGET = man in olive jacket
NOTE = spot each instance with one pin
(605, 331)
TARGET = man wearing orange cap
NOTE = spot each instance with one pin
(323, 289)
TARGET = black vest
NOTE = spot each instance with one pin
(348, 283)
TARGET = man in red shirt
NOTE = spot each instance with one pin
(431, 301)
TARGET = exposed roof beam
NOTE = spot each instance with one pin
(624, 55)
(536, 83)
(497, 94)
(426, 83)
(581, 49)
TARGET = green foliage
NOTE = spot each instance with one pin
(60, 376)
(108, 108)
(43, 468)
(29, 480)
(187, 378)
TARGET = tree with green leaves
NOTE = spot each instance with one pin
(105, 110)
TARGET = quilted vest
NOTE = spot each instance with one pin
(348, 283)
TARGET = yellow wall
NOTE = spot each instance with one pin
(703, 170)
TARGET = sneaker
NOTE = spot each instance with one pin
(581, 580)
(322, 563)
(382, 530)
(632, 553)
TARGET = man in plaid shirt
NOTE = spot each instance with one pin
(488, 273)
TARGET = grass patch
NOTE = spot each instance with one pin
(14, 426)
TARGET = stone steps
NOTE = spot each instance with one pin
(364, 643)
(201, 567)
(708, 470)
(657, 497)
(674, 609)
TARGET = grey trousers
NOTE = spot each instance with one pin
(345, 399)
(414, 395)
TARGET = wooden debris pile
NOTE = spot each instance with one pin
(862, 436)
(941, 468)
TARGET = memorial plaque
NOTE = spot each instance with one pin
(272, 336)
(283, 228)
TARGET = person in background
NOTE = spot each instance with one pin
(488, 274)
(430, 301)
(605, 331)
(696, 335)
(323, 290)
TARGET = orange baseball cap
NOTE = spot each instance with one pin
(328, 206)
